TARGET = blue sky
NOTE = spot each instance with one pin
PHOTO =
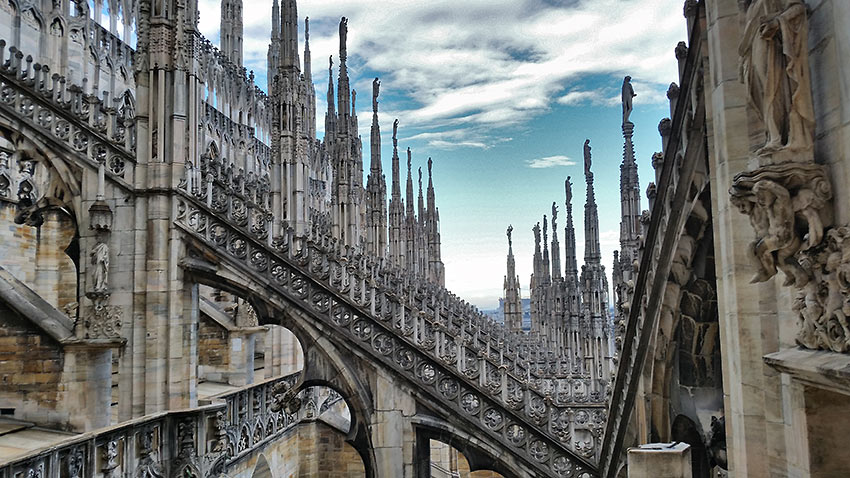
(501, 94)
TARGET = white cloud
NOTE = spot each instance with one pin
(481, 64)
(598, 97)
(550, 162)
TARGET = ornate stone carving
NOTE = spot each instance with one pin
(110, 457)
(284, 399)
(104, 321)
(788, 197)
(148, 466)
(75, 462)
(789, 208)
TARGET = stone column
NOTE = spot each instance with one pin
(393, 437)
(87, 378)
(747, 313)
(242, 346)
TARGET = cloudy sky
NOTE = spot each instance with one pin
(501, 94)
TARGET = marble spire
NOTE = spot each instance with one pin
(512, 300)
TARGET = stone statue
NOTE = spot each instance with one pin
(569, 190)
(775, 68)
(628, 95)
(376, 90)
(343, 35)
(100, 260)
(395, 130)
(554, 212)
(510, 231)
(536, 230)
(587, 160)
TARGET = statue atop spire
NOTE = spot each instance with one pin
(376, 90)
(395, 133)
(627, 96)
(554, 215)
(568, 186)
(343, 38)
(536, 230)
(587, 159)
(510, 240)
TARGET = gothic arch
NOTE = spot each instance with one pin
(480, 454)
(686, 431)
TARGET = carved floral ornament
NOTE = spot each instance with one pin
(788, 197)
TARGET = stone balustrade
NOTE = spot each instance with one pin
(100, 129)
(466, 362)
(202, 441)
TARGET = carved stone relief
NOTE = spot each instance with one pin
(788, 197)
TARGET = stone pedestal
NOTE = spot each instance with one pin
(660, 460)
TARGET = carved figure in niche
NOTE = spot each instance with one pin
(627, 96)
(587, 159)
(56, 28)
(775, 68)
(376, 90)
(100, 260)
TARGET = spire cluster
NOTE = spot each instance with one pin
(568, 313)
(321, 182)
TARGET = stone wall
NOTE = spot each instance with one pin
(213, 345)
(37, 257)
(310, 450)
(30, 370)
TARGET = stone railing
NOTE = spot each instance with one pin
(431, 338)
(106, 43)
(100, 129)
(202, 441)
(669, 209)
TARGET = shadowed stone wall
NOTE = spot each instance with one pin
(30, 370)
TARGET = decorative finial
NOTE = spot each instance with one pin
(307, 29)
(429, 166)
